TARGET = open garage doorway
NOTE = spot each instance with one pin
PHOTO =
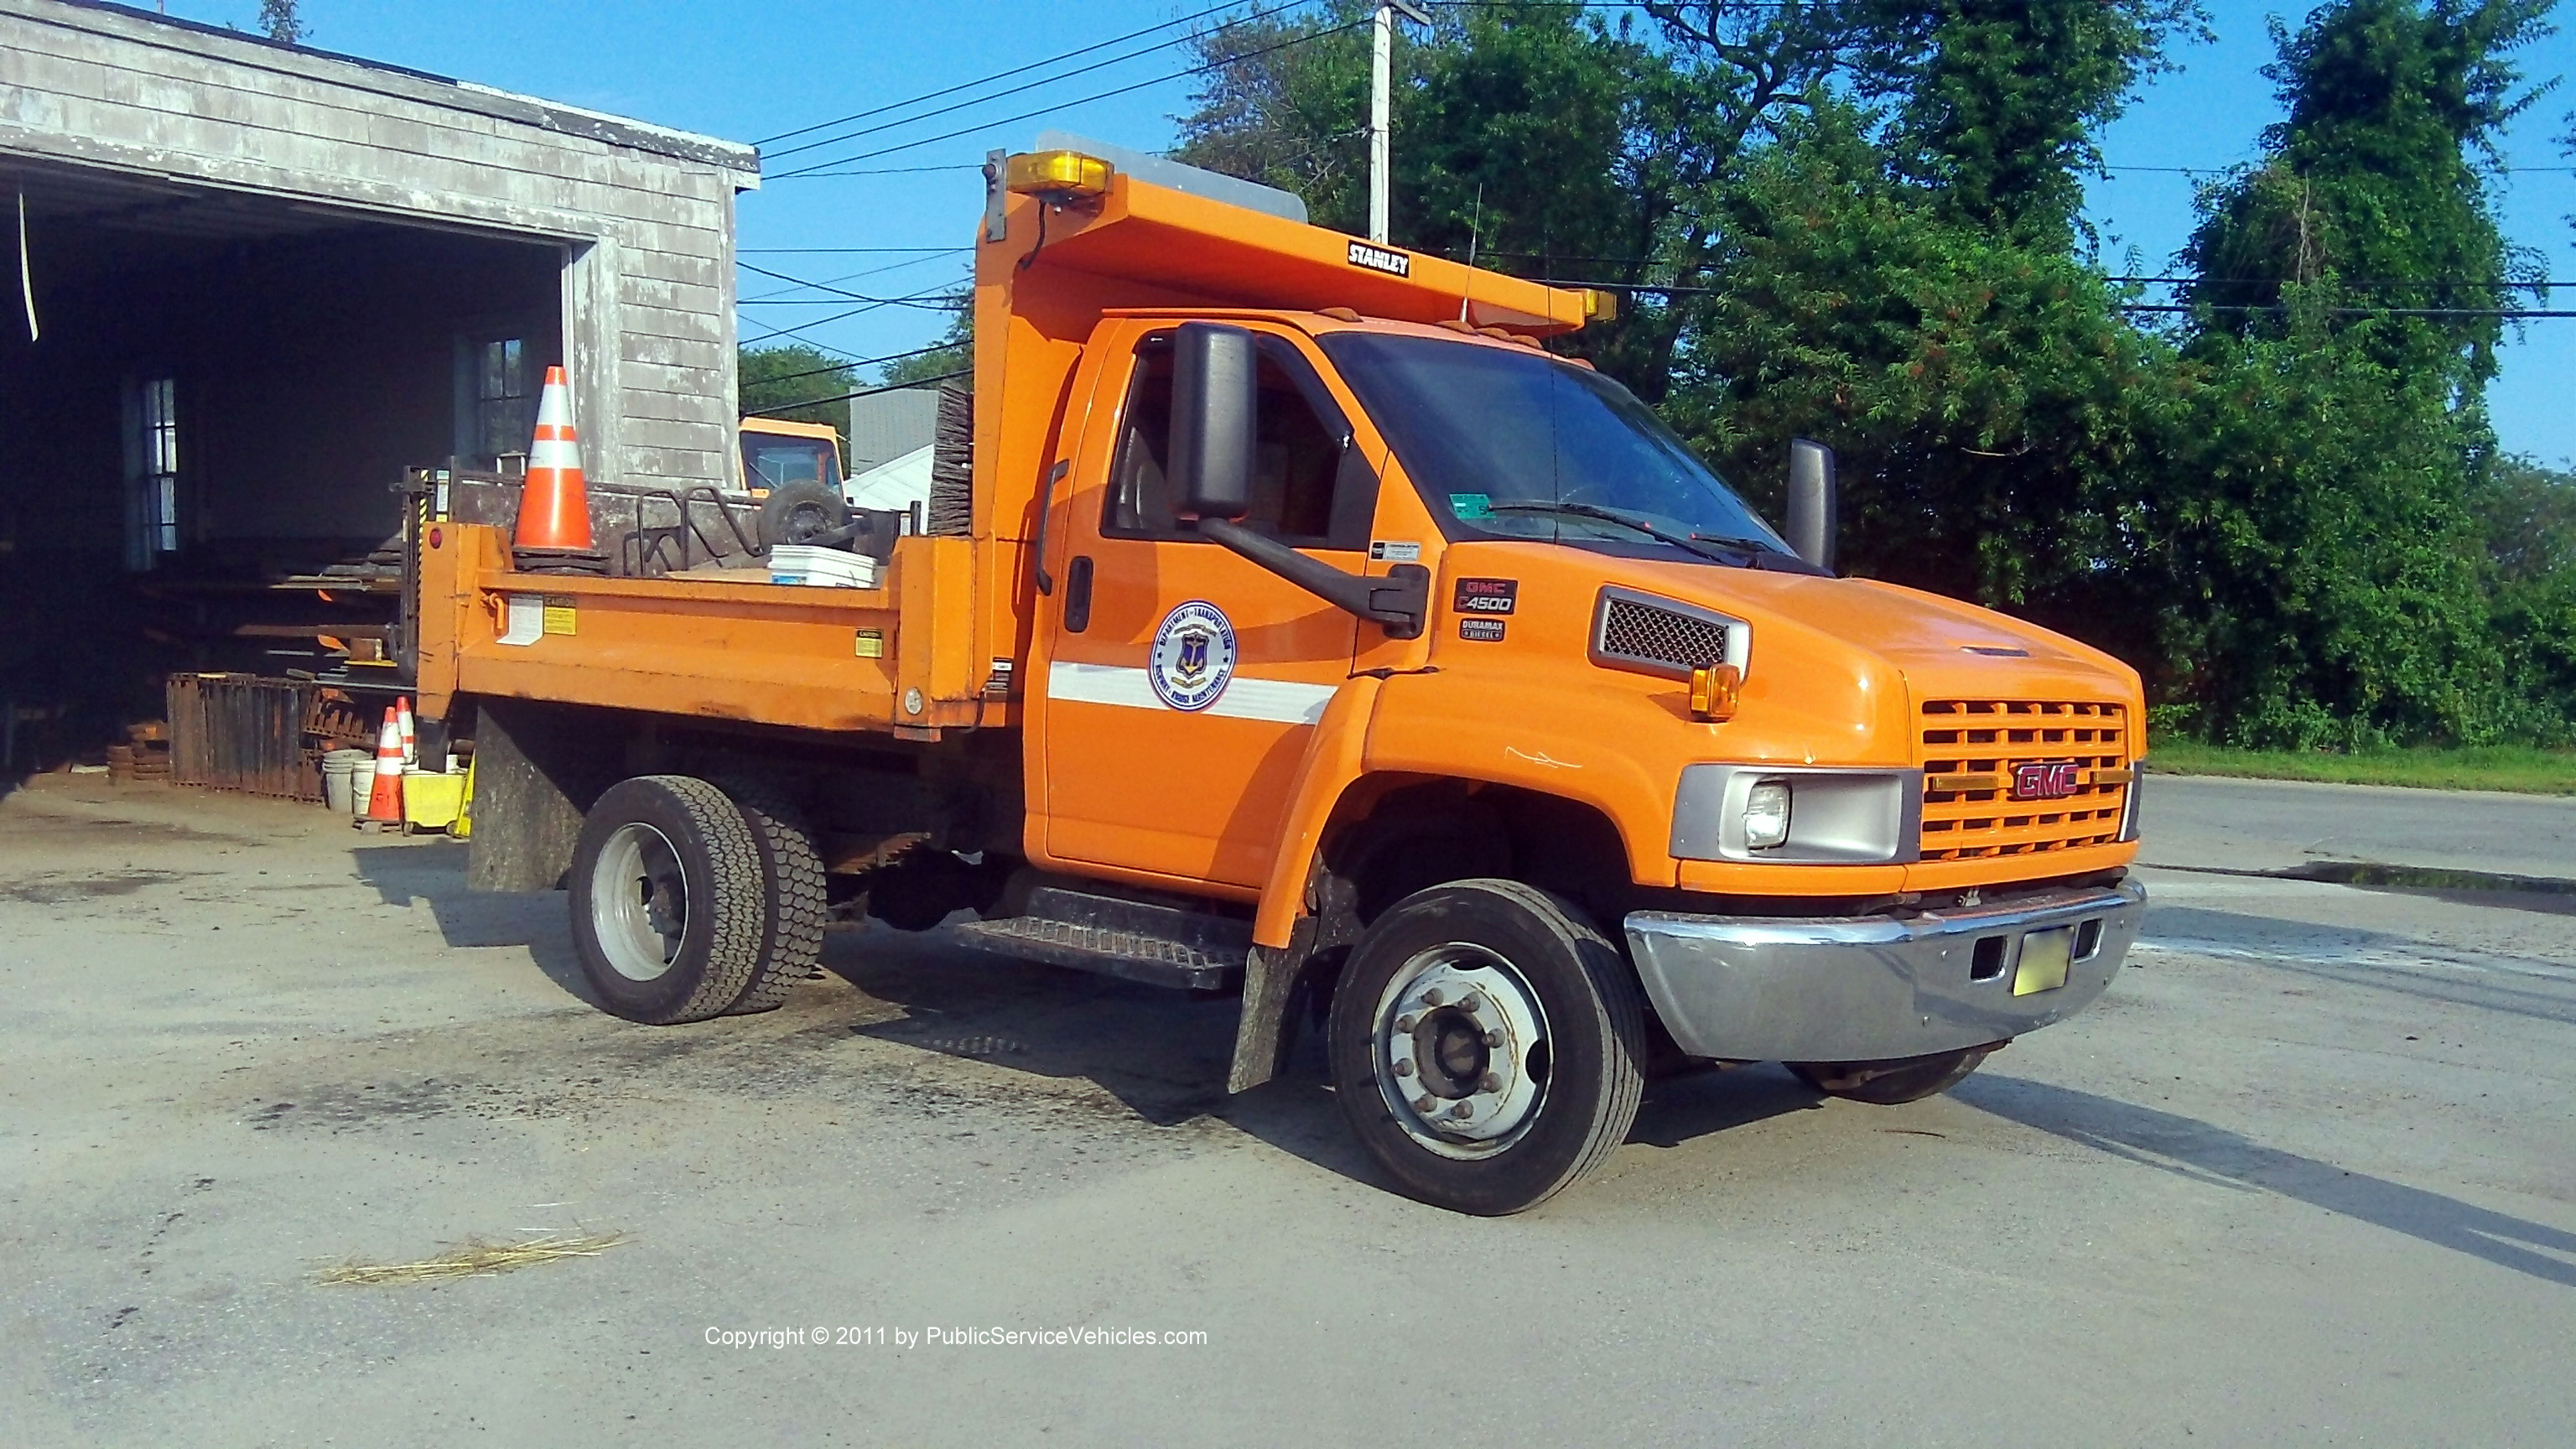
(203, 423)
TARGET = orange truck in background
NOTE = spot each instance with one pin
(1315, 633)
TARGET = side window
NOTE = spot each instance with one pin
(1309, 489)
(505, 414)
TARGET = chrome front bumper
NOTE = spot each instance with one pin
(1873, 988)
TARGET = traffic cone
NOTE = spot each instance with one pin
(410, 740)
(554, 505)
(384, 801)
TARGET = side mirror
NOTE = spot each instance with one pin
(1812, 502)
(1215, 382)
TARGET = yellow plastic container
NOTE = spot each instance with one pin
(463, 829)
(432, 801)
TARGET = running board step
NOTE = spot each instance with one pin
(1158, 945)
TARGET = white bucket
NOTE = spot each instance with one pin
(341, 770)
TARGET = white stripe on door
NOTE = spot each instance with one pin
(1280, 701)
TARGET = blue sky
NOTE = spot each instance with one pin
(746, 72)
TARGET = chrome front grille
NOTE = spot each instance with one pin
(1970, 750)
(1660, 636)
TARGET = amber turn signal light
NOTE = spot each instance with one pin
(1715, 689)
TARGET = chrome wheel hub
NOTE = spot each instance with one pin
(639, 902)
(1462, 1051)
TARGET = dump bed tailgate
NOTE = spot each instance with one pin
(896, 657)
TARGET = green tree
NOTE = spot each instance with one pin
(281, 21)
(1994, 103)
(2379, 179)
(1986, 396)
(2322, 584)
(2323, 528)
(778, 375)
(2528, 516)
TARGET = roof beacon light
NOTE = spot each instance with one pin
(1057, 175)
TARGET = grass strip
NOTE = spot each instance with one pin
(2517, 768)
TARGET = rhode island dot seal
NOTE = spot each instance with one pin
(1193, 658)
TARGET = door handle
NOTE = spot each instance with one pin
(1077, 594)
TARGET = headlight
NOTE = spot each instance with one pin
(1798, 814)
(1766, 815)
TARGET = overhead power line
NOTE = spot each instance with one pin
(824, 168)
(856, 362)
(853, 396)
(839, 251)
(835, 291)
(988, 80)
(2507, 312)
(922, 300)
(2232, 165)
(1020, 89)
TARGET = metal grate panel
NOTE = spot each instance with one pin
(1978, 742)
(1636, 632)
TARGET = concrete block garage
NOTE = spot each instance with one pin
(258, 283)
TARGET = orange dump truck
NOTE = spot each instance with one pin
(1301, 627)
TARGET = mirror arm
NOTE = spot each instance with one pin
(1401, 601)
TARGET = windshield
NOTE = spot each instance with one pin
(772, 461)
(1518, 444)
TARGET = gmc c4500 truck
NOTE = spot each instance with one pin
(1298, 625)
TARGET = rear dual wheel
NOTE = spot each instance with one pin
(1486, 1045)
(689, 903)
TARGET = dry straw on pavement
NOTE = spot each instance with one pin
(473, 1258)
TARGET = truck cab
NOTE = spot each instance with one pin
(1319, 633)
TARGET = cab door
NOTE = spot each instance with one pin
(1186, 680)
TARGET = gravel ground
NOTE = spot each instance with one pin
(2303, 1176)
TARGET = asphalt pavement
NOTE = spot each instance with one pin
(2303, 1176)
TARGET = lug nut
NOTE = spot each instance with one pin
(1404, 1023)
(1472, 1005)
(1432, 997)
(1424, 1105)
(1462, 1111)
(1404, 1069)
(1493, 1039)
(1489, 1083)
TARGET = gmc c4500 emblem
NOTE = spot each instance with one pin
(2046, 780)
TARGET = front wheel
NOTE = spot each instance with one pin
(1891, 1084)
(1486, 1045)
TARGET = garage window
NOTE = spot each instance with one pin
(152, 513)
(505, 415)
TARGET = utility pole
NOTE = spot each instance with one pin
(1381, 102)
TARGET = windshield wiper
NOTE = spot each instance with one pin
(1686, 542)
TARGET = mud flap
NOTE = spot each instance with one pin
(1263, 1035)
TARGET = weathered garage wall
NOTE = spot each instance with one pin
(644, 215)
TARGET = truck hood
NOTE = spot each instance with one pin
(1943, 648)
(1839, 670)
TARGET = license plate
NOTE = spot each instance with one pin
(2045, 956)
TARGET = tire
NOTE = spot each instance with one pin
(796, 512)
(1549, 1088)
(667, 900)
(1891, 1084)
(793, 893)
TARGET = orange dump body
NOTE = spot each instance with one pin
(1126, 778)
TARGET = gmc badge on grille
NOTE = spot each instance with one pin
(2046, 780)
(1487, 596)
